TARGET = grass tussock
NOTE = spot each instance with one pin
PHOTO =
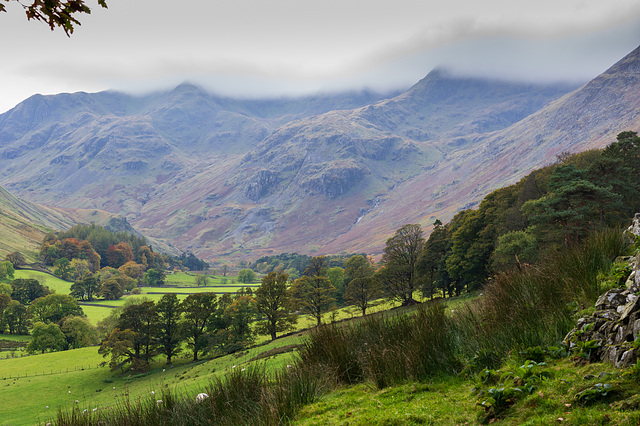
(535, 306)
(386, 350)
(244, 397)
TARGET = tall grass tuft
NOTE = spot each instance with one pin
(243, 397)
(386, 350)
(529, 308)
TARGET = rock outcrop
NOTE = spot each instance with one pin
(610, 332)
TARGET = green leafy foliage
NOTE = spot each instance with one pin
(594, 393)
(56, 13)
(399, 277)
(313, 293)
(246, 276)
(274, 304)
(46, 337)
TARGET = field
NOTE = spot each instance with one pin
(60, 378)
(34, 387)
(51, 281)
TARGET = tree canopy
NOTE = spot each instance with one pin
(55, 13)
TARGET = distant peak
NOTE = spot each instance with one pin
(187, 87)
(440, 72)
(628, 64)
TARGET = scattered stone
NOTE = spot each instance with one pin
(616, 321)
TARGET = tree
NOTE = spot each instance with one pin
(273, 302)
(573, 206)
(399, 278)
(15, 317)
(313, 295)
(361, 291)
(79, 332)
(62, 268)
(132, 341)
(246, 276)
(237, 335)
(112, 289)
(119, 254)
(153, 277)
(199, 309)
(6, 270)
(119, 345)
(202, 280)
(80, 268)
(85, 288)
(27, 290)
(6, 289)
(514, 248)
(336, 276)
(110, 322)
(16, 258)
(132, 269)
(5, 299)
(225, 269)
(54, 307)
(56, 13)
(46, 337)
(431, 258)
(293, 274)
(169, 333)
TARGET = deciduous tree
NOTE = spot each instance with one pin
(313, 295)
(119, 254)
(399, 278)
(85, 288)
(273, 302)
(46, 337)
(6, 270)
(27, 290)
(62, 268)
(202, 280)
(16, 258)
(169, 333)
(246, 276)
(79, 332)
(199, 309)
(54, 307)
(15, 318)
(56, 13)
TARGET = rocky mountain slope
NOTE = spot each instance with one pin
(24, 224)
(242, 178)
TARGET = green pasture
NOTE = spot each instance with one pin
(51, 281)
(183, 279)
(30, 384)
(15, 338)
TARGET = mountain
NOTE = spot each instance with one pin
(587, 118)
(24, 224)
(243, 178)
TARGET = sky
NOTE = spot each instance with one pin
(256, 48)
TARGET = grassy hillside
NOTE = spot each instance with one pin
(56, 380)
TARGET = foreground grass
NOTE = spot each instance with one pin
(441, 402)
(67, 378)
(457, 401)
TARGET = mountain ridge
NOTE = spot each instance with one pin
(237, 178)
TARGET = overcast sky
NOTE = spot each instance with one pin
(273, 47)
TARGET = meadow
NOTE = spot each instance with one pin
(33, 388)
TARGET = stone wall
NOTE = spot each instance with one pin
(615, 324)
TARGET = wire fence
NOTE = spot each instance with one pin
(23, 374)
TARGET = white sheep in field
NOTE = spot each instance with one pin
(201, 397)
